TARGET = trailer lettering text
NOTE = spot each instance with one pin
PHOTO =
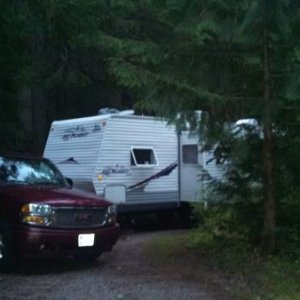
(79, 132)
(111, 170)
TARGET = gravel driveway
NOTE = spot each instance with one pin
(120, 274)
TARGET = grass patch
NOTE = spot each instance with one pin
(241, 270)
(169, 248)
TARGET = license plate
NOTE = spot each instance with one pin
(86, 240)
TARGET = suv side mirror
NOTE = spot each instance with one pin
(70, 182)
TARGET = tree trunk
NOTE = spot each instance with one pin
(269, 226)
(269, 241)
(39, 118)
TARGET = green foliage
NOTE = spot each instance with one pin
(288, 225)
(52, 65)
(232, 60)
(280, 279)
(12, 62)
(238, 266)
(238, 221)
(61, 59)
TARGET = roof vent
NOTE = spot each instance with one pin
(107, 111)
(127, 112)
(113, 111)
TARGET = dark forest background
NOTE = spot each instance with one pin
(230, 59)
(52, 66)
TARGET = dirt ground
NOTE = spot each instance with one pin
(123, 273)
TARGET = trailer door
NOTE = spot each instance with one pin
(190, 172)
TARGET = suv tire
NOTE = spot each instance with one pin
(7, 261)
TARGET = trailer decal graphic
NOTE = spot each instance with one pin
(70, 160)
(165, 172)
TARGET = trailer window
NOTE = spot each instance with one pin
(143, 157)
(190, 154)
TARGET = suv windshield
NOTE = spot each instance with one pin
(29, 171)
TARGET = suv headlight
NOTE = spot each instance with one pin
(111, 215)
(37, 214)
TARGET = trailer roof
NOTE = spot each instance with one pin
(84, 119)
(102, 117)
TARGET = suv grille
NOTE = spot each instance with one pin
(79, 217)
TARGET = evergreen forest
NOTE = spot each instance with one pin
(229, 59)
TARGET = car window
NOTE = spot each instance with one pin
(29, 171)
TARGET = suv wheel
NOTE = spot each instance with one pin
(6, 255)
(1, 246)
(87, 258)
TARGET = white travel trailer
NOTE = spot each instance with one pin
(137, 162)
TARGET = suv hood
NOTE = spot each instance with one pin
(50, 195)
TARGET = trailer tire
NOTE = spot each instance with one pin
(166, 218)
(185, 215)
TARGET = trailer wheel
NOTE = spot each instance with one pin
(185, 215)
(166, 217)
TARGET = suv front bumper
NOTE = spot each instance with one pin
(38, 242)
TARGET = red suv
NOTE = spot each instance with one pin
(42, 216)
